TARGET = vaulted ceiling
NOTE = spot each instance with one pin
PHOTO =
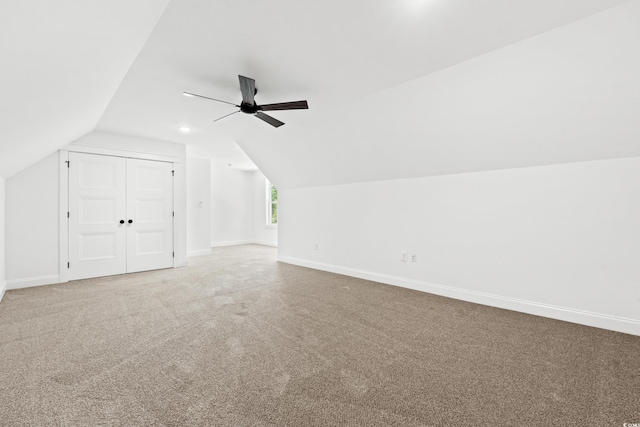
(62, 62)
(396, 89)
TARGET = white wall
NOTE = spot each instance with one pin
(560, 241)
(32, 224)
(238, 212)
(198, 206)
(2, 238)
(262, 233)
(231, 206)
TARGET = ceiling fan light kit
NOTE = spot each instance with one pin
(249, 105)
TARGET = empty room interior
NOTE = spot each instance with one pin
(284, 213)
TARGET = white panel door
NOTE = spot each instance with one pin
(97, 209)
(149, 215)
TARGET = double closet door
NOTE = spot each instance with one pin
(120, 215)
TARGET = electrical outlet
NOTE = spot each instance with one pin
(414, 258)
(403, 256)
(315, 246)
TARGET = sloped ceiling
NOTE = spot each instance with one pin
(396, 89)
(62, 61)
(571, 94)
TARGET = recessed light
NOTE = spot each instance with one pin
(185, 129)
(418, 4)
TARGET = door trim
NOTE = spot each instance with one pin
(88, 149)
(63, 201)
(63, 205)
(173, 207)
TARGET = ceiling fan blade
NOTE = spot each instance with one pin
(248, 89)
(206, 97)
(295, 105)
(227, 115)
(272, 121)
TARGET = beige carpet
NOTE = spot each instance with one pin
(237, 339)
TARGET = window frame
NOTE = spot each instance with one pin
(269, 205)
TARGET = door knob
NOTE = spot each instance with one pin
(122, 221)
(130, 221)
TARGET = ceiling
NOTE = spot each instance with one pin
(395, 89)
(62, 62)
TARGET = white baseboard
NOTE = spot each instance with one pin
(3, 288)
(265, 243)
(32, 281)
(598, 320)
(199, 252)
(243, 242)
(231, 243)
(180, 263)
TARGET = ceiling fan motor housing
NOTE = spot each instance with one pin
(249, 108)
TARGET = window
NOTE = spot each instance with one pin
(272, 204)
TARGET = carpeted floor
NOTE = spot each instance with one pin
(237, 339)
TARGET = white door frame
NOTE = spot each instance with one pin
(63, 192)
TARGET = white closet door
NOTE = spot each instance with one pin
(97, 204)
(149, 215)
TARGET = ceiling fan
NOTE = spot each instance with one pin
(249, 106)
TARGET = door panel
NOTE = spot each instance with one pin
(97, 243)
(150, 211)
(150, 242)
(96, 246)
(150, 208)
(94, 210)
